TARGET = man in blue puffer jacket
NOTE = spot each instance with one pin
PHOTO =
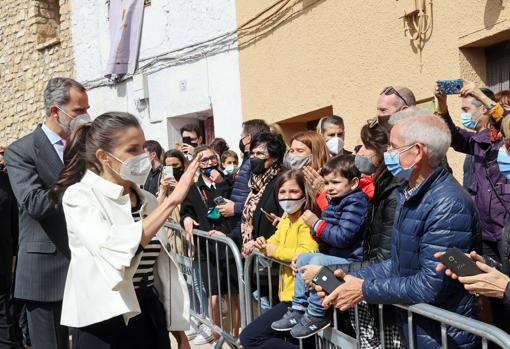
(433, 214)
(240, 190)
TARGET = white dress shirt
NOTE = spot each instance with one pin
(55, 140)
(103, 238)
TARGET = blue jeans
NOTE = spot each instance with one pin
(305, 299)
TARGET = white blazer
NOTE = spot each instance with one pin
(103, 239)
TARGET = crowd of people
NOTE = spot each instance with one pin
(85, 252)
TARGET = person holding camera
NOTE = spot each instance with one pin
(199, 211)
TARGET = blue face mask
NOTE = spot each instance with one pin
(392, 162)
(504, 162)
(467, 120)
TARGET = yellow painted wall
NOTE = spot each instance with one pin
(343, 53)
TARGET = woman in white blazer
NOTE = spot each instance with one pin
(123, 289)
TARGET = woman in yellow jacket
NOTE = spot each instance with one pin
(291, 238)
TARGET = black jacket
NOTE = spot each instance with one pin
(196, 205)
(9, 230)
(43, 255)
(379, 224)
(269, 202)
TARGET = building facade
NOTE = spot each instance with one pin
(304, 59)
(35, 45)
(182, 76)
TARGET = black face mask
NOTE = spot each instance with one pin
(258, 165)
(178, 171)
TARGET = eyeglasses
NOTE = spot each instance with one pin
(390, 90)
(212, 158)
(373, 122)
(399, 150)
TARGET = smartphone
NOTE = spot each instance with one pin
(268, 216)
(450, 87)
(220, 200)
(459, 263)
(186, 140)
(168, 171)
(327, 280)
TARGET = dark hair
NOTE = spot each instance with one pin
(219, 145)
(154, 146)
(275, 145)
(202, 148)
(376, 138)
(343, 165)
(192, 128)
(229, 154)
(503, 97)
(174, 153)
(299, 177)
(57, 92)
(254, 126)
(80, 152)
(332, 119)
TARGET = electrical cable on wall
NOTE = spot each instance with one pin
(249, 32)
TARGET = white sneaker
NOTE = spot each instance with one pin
(204, 335)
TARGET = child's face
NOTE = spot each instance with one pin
(230, 161)
(290, 190)
(337, 185)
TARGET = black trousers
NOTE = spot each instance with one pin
(259, 334)
(148, 330)
(7, 325)
(44, 325)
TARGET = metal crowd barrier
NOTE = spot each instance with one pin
(192, 271)
(331, 337)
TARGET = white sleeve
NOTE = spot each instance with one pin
(112, 246)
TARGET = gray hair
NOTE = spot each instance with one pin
(408, 112)
(430, 131)
(57, 92)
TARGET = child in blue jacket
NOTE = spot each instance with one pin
(339, 232)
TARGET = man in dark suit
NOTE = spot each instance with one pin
(34, 163)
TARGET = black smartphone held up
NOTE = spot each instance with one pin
(459, 263)
(219, 200)
(267, 215)
(186, 140)
(327, 280)
(450, 87)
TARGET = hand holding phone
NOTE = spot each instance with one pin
(327, 280)
(219, 200)
(455, 260)
(274, 219)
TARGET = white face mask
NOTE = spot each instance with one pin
(75, 121)
(291, 206)
(135, 169)
(335, 145)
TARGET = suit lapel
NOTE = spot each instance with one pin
(45, 152)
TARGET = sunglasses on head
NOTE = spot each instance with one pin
(390, 90)
(373, 122)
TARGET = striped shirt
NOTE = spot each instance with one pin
(150, 254)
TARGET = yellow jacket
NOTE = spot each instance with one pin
(291, 240)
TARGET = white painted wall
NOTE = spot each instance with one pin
(211, 83)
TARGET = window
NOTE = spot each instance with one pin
(47, 22)
(498, 66)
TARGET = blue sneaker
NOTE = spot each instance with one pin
(290, 319)
(309, 325)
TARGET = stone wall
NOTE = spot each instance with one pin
(35, 45)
